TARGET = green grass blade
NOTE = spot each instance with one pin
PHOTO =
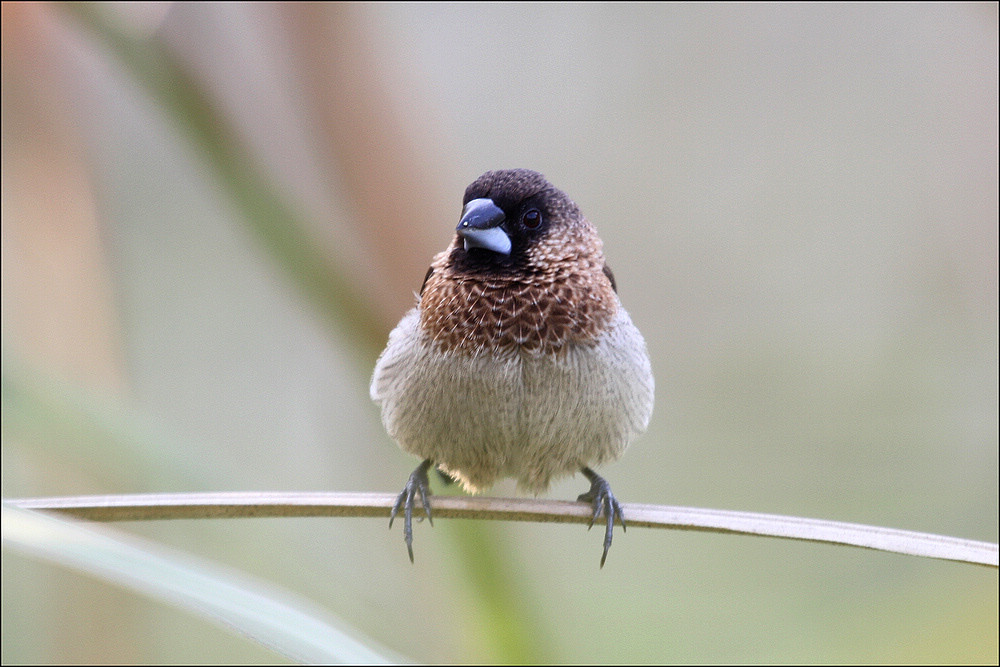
(288, 625)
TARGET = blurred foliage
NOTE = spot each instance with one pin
(248, 607)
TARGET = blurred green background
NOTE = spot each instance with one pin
(213, 214)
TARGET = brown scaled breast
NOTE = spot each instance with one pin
(538, 310)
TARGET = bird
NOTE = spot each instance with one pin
(518, 359)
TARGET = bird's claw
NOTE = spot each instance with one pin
(603, 501)
(417, 483)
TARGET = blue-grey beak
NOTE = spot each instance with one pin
(480, 227)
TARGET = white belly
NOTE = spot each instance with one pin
(522, 415)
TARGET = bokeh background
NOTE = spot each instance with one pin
(213, 214)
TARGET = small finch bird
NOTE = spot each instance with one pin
(519, 359)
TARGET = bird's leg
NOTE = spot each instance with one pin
(603, 500)
(417, 483)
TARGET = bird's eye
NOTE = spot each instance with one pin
(532, 218)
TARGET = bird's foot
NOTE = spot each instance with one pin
(417, 483)
(603, 501)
